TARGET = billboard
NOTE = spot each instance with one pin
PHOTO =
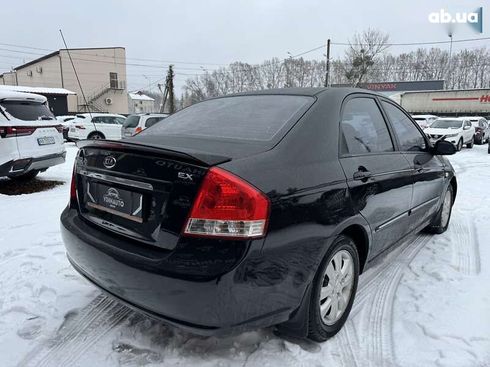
(399, 86)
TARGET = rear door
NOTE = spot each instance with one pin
(468, 131)
(427, 169)
(379, 177)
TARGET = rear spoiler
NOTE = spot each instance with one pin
(184, 154)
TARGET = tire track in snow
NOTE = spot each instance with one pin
(465, 246)
(75, 336)
(375, 298)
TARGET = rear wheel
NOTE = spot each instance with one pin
(96, 136)
(441, 220)
(334, 289)
(26, 176)
(460, 145)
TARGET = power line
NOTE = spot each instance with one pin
(74, 52)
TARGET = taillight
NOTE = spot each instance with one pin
(137, 130)
(11, 131)
(227, 206)
(73, 186)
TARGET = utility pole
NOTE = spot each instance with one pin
(327, 73)
(168, 92)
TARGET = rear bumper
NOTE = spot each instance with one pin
(20, 166)
(252, 294)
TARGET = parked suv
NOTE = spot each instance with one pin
(482, 128)
(31, 138)
(255, 209)
(96, 126)
(457, 130)
(138, 122)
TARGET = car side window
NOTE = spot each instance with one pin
(152, 121)
(98, 120)
(363, 128)
(409, 137)
(120, 120)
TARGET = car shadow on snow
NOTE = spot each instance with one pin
(13, 187)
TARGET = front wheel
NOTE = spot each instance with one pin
(441, 220)
(471, 143)
(334, 289)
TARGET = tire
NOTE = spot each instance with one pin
(96, 136)
(441, 221)
(460, 145)
(471, 143)
(320, 328)
(26, 176)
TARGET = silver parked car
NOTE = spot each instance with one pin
(138, 122)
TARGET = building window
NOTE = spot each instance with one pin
(113, 80)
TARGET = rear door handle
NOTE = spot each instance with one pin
(362, 175)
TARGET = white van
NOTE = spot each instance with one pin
(31, 138)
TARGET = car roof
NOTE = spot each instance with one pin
(423, 116)
(96, 114)
(453, 118)
(473, 117)
(333, 91)
(21, 96)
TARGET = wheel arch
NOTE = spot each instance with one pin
(454, 186)
(359, 235)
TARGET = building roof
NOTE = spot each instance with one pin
(40, 90)
(35, 61)
(140, 96)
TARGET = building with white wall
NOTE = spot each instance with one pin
(140, 103)
(102, 73)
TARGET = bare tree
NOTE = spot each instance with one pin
(364, 50)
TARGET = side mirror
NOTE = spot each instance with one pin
(443, 147)
(466, 127)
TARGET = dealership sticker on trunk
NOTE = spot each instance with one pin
(123, 203)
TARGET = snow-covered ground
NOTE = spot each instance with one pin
(426, 304)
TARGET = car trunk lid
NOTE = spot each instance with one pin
(141, 192)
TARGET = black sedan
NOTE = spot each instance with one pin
(255, 209)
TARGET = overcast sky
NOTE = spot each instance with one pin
(193, 33)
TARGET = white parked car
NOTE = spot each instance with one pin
(31, 138)
(482, 128)
(138, 122)
(96, 126)
(456, 130)
(424, 121)
(66, 121)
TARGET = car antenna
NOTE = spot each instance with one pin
(78, 79)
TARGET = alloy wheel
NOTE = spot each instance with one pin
(446, 208)
(336, 290)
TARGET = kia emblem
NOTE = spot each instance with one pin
(109, 161)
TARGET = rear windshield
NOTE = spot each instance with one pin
(256, 118)
(28, 111)
(444, 124)
(131, 121)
